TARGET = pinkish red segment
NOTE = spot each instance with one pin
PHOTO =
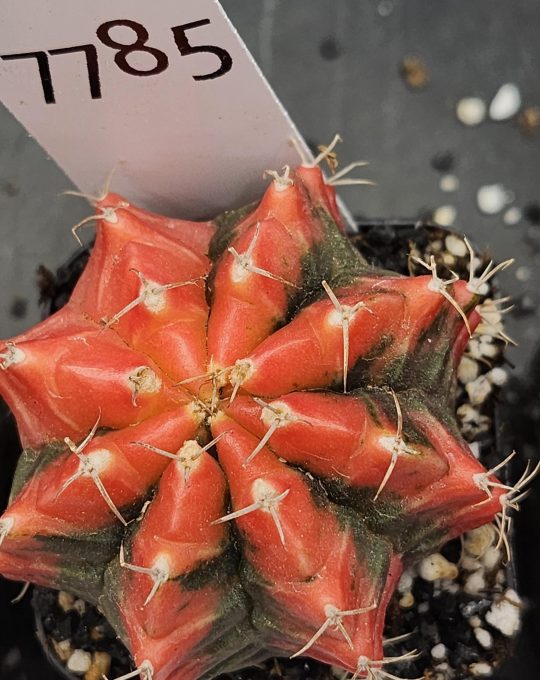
(321, 194)
(346, 438)
(251, 294)
(308, 352)
(69, 381)
(313, 563)
(176, 535)
(64, 499)
(142, 225)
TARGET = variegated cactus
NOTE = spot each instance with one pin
(237, 432)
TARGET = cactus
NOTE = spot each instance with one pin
(237, 432)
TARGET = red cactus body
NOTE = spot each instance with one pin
(237, 432)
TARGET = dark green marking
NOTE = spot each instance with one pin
(32, 462)
(84, 558)
(226, 224)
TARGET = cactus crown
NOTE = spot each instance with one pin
(237, 432)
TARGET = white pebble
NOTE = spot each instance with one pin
(455, 245)
(471, 110)
(477, 541)
(488, 349)
(63, 649)
(491, 198)
(101, 665)
(65, 600)
(523, 273)
(407, 601)
(469, 563)
(449, 260)
(445, 215)
(505, 103)
(475, 448)
(467, 370)
(385, 7)
(500, 577)
(475, 583)
(475, 621)
(497, 376)
(436, 566)
(481, 669)
(505, 615)
(491, 558)
(490, 312)
(513, 597)
(478, 390)
(438, 652)
(405, 582)
(449, 183)
(79, 662)
(486, 337)
(484, 637)
(442, 671)
(512, 216)
(483, 288)
(467, 413)
(449, 586)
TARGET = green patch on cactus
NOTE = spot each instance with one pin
(322, 263)
(339, 263)
(231, 619)
(388, 517)
(219, 571)
(33, 461)
(310, 289)
(84, 560)
(269, 620)
(252, 579)
(361, 372)
(374, 551)
(430, 366)
(237, 646)
(375, 515)
(394, 372)
(111, 596)
(408, 400)
(226, 229)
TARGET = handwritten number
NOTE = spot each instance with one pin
(182, 42)
(124, 50)
(45, 68)
(44, 71)
(91, 64)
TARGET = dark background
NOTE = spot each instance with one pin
(335, 64)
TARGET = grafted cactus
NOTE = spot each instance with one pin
(237, 432)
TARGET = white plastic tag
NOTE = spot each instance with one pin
(165, 92)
